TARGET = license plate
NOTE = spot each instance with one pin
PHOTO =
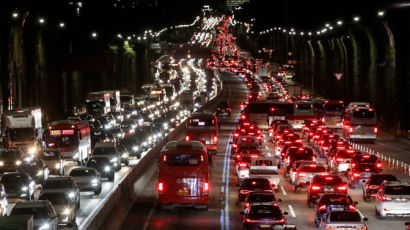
(266, 225)
(183, 192)
(333, 123)
(362, 133)
(329, 190)
(337, 209)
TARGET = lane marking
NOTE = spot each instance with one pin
(149, 216)
(292, 212)
(221, 219)
(222, 188)
(283, 190)
(360, 213)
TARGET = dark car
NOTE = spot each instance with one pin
(103, 166)
(18, 185)
(332, 202)
(321, 184)
(253, 184)
(372, 186)
(11, 160)
(133, 145)
(37, 169)
(223, 108)
(263, 216)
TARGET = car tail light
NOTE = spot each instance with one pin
(278, 136)
(352, 207)
(51, 145)
(187, 138)
(254, 156)
(288, 142)
(215, 139)
(322, 208)
(243, 117)
(283, 220)
(313, 158)
(315, 188)
(375, 130)
(206, 187)
(243, 165)
(246, 123)
(236, 134)
(160, 187)
(356, 174)
(384, 198)
(342, 188)
(379, 165)
(302, 174)
(352, 165)
(164, 158)
(351, 130)
(324, 148)
(339, 159)
(259, 132)
(298, 141)
(247, 204)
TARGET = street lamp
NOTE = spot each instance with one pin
(41, 20)
(380, 13)
(15, 15)
(119, 35)
(339, 23)
(356, 19)
(94, 34)
(61, 25)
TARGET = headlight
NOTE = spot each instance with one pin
(114, 159)
(196, 104)
(135, 148)
(119, 135)
(24, 189)
(94, 181)
(107, 168)
(58, 165)
(119, 117)
(71, 195)
(66, 212)
(1, 163)
(165, 125)
(40, 172)
(44, 227)
(32, 150)
(140, 120)
(18, 162)
(124, 155)
(144, 143)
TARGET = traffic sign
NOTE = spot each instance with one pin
(338, 76)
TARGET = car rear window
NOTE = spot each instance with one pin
(346, 154)
(333, 107)
(363, 113)
(313, 168)
(261, 197)
(38, 213)
(327, 180)
(253, 184)
(55, 198)
(345, 216)
(378, 179)
(265, 211)
(183, 159)
(82, 172)
(57, 184)
(335, 199)
(397, 190)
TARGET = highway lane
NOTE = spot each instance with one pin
(145, 215)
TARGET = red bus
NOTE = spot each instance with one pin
(183, 175)
(203, 127)
(72, 138)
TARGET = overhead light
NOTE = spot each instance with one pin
(339, 23)
(380, 13)
(94, 34)
(327, 25)
(356, 19)
(61, 25)
(15, 15)
(41, 20)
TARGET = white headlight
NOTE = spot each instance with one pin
(66, 211)
(124, 155)
(107, 168)
(135, 148)
(44, 227)
(119, 135)
(94, 181)
(18, 162)
(40, 172)
(114, 159)
(71, 195)
(144, 143)
(58, 165)
(24, 189)
(1, 163)
(32, 150)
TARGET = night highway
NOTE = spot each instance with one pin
(211, 114)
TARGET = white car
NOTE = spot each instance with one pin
(305, 173)
(393, 199)
(265, 167)
(87, 179)
(343, 220)
(295, 166)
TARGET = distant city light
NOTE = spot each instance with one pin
(339, 23)
(94, 34)
(61, 25)
(380, 13)
(41, 20)
(310, 33)
(119, 35)
(15, 15)
(327, 25)
(356, 19)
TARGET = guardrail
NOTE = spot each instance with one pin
(387, 161)
(125, 189)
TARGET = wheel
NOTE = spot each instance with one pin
(111, 177)
(127, 162)
(139, 156)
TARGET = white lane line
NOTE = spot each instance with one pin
(283, 190)
(360, 213)
(222, 188)
(292, 212)
(221, 219)
(149, 216)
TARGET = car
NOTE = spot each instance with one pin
(343, 220)
(340, 162)
(324, 184)
(393, 199)
(3, 201)
(360, 173)
(305, 173)
(332, 202)
(110, 150)
(115, 134)
(223, 108)
(65, 209)
(128, 126)
(64, 184)
(103, 165)
(43, 212)
(37, 169)
(372, 185)
(11, 160)
(54, 161)
(295, 166)
(18, 185)
(262, 216)
(87, 179)
(294, 154)
(265, 167)
(253, 184)
(259, 197)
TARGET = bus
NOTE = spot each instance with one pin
(266, 111)
(72, 138)
(183, 175)
(302, 110)
(203, 127)
(332, 112)
(98, 103)
(360, 124)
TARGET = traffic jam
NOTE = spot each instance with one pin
(58, 170)
(290, 152)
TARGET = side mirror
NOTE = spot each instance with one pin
(279, 200)
(285, 213)
(365, 219)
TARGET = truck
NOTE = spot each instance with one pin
(18, 222)
(22, 128)
(115, 100)
(98, 103)
(265, 167)
(127, 98)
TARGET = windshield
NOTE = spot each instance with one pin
(397, 190)
(62, 141)
(55, 198)
(345, 216)
(10, 155)
(268, 197)
(252, 184)
(378, 179)
(13, 181)
(265, 211)
(23, 134)
(184, 159)
(38, 213)
(333, 107)
(364, 113)
(201, 122)
(82, 172)
(57, 184)
(104, 151)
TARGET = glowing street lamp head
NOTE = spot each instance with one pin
(339, 23)
(15, 15)
(61, 25)
(380, 13)
(94, 34)
(41, 20)
(356, 19)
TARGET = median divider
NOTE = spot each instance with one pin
(120, 200)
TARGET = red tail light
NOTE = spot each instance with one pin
(322, 208)
(187, 138)
(164, 158)
(356, 174)
(238, 156)
(342, 188)
(298, 141)
(234, 146)
(206, 187)
(254, 156)
(325, 148)
(351, 130)
(379, 165)
(51, 145)
(243, 165)
(339, 159)
(236, 134)
(315, 188)
(384, 198)
(302, 174)
(160, 187)
(352, 207)
(376, 130)
(243, 117)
